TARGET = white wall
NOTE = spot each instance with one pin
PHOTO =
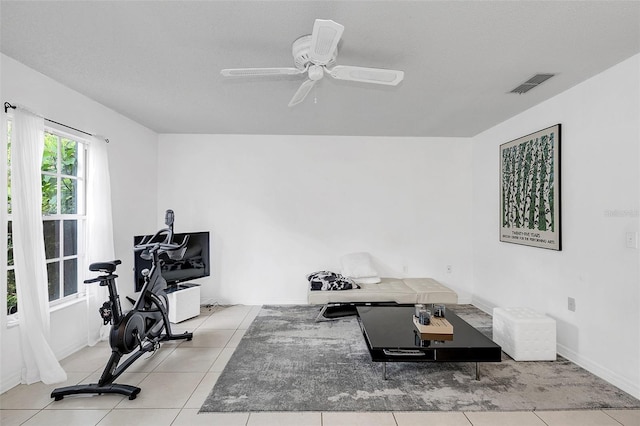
(132, 155)
(280, 207)
(600, 202)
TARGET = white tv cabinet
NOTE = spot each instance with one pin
(184, 302)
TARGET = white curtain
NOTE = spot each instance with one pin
(39, 361)
(99, 234)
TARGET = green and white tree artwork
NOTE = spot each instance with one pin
(530, 190)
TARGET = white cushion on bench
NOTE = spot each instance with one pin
(429, 290)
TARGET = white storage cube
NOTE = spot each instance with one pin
(184, 302)
(524, 334)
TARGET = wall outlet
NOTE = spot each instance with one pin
(405, 269)
(449, 269)
(631, 239)
(571, 304)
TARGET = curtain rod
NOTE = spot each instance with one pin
(7, 105)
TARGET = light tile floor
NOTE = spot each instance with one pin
(174, 390)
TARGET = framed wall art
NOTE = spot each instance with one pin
(530, 190)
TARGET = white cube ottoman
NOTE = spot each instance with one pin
(524, 334)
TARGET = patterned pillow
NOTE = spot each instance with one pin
(327, 280)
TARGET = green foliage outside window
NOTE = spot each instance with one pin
(68, 166)
(12, 298)
(59, 180)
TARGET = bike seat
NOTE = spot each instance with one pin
(108, 267)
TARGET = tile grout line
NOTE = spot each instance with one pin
(541, 419)
(611, 417)
(226, 345)
(464, 413)
(393, 414)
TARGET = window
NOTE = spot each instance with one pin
(63, 216)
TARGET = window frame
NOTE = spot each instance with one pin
(80, 217)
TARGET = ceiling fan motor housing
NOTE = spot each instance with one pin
(300, 50)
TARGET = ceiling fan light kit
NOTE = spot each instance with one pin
(315, 55)
(315, 72)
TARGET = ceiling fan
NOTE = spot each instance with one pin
(315, 55)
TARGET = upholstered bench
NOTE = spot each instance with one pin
(358, 267)
(524, 334)
(393, 290)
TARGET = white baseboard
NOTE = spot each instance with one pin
(10, 382)
(593, 367)
(604, 373)
(483, 305)
(70, 350)
(14, 379)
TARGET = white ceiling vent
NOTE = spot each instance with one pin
(531, 83)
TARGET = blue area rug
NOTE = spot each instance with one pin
(288, 362)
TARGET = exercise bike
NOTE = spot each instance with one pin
(142, 327)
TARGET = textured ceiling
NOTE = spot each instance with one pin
(159, 62)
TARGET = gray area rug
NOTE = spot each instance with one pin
(288, 362)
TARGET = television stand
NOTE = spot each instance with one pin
(184, 302)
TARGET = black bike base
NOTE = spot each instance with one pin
(170, 336)
(127, 390)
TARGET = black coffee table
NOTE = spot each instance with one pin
(392, 337)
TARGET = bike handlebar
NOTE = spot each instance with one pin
(163, 246)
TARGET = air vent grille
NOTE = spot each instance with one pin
(534, 81)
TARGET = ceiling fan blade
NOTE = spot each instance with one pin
(367, 75)
(250, 72)
(324, 40)
(302, 92)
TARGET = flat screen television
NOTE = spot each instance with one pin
(193, 265)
